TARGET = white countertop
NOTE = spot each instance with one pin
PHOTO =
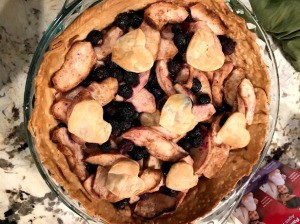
(24, 196)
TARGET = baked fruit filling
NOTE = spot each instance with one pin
(150, 104)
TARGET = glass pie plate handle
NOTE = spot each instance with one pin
(74, 8)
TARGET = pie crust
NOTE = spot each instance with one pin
(209, 192)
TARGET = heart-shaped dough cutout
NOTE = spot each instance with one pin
(181, 177)
(122, 179)
(131, 54)
(124, 186)
(176, 115)
(205, 51)
(86, 122)
(234, 132)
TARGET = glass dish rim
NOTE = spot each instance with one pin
(28, 97)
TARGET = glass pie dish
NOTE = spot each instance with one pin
(71, 11)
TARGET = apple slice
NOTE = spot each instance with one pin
(231, 85)
(88, 185)
(247, 94)
(167, 50)
(86, 122)
(105, 91)
(99, 186)
(104, 159)
(157, 145)
(152, 39)
(161, 13)
(202, 155)
(201, 13)
(203, 112)
(155, 204)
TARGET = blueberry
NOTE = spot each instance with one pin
(189, 18)
(125, 125)
(111, 109)
(125, 91)
(224, 108)
(185, 144)
(196, 142)
(121, 204)
(196, 132)
(223, 119)
(62, 125)
(180, 41)
(160, 104)
(152, 78)
(135, 116)
(116, 133)
(205, 128)
(165, 168)
(116, 128)
(179, 58)
(196, 86)
(169, 192)
(136, 122)
(145, 153)
(132, 79)
(138, 153)
(117, 74)
(153, 86)
(111, 65)
(203, 99)
(177, 28)
(173, 77)
(114, 124)
(228, 45)
(86, 82)
(105, 147)
(115, 71)
(157, 92)
(100, 73)
(127, 111)
(136, 19)
(122, 21)
(95, 37)
(91, 168)
(125, 146)
(116, 110)
(174, 67)
(188, 37)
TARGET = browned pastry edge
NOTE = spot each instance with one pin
(208, 193)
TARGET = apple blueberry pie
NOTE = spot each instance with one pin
(151, 111)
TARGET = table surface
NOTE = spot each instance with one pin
(24, 196)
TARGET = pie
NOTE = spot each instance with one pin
(151, 111)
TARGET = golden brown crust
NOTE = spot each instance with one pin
(207, 194)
